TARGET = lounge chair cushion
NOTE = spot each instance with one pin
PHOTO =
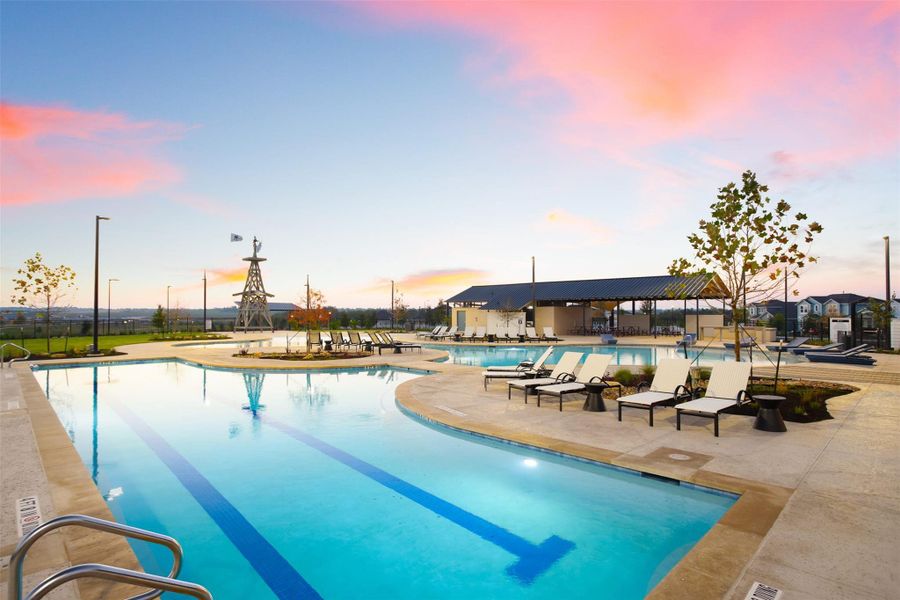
(708, 405)
(500, 374)
(646, 398)
(532, 382)
(561, 388)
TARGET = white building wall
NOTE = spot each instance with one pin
(895, 334)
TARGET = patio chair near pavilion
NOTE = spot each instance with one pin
(520, 371)
(608, 339)
(480, 333)
(667, 387)
(727, 389)
(441, 330)
(501, 334)
(468, 334)
(448, 334)
(531, 335)
(563, 372)
(549, 335)
(425, 334)
(593, 370)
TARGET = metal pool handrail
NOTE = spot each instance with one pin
(12, 360)
(17, 558)
(159, 583)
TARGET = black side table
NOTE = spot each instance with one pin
(594, 400)
(769, 416)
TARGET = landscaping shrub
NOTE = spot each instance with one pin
(624, 376)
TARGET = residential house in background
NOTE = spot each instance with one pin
(839, 305)
(766, 312)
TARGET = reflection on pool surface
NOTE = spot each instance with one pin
(315, 484)
(492, 356)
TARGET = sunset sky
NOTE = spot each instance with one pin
(435, 144)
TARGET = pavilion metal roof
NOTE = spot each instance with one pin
(660, 287)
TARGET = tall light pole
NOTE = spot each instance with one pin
(887, 288)
(97, 219)
(392, 304)
(204, 299)
(109, 301)
(168, 287)
(533, 305)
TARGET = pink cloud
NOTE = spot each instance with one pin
(818, 79)
(57, 154)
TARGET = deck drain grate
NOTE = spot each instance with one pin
(761, 591)
(677, 456)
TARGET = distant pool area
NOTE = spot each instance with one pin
(623, 354)
(315, 484)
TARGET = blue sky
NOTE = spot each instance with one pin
(433, 145)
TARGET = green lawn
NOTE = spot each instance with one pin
(105, 342)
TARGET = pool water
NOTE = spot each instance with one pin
(492, 356)
(316, 484)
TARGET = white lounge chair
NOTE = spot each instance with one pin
(549, 335)
(525, 364)
(436, 335)
(667, 387)
(593, 369)
(468, 334)
(727, 388)
(531, 335)
(425, 334)
(448, 334)
(563, 371)
(480, 333)
(524, 369)
(512, 332)
(501, 335)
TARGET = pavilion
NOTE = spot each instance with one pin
(570, 305)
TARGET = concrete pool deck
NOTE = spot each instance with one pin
(819, 516)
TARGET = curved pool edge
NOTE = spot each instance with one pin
(713, 566)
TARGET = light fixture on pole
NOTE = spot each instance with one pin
(97, 219)
(109, 301)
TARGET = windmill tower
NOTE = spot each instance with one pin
(254, 314)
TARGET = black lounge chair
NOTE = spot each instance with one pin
(853, 356)
(400, 345)
(835, 347)
(794, 343)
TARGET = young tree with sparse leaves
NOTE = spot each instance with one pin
(159, 318)
(749, 243)
(312, 312)
(41, 286)
(400, 309)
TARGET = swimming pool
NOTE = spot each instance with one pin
(315, 484)
(491, 356)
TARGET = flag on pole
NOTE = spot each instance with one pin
(236, 238)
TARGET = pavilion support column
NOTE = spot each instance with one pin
(632, 307)
(653, 320)
(698, 318)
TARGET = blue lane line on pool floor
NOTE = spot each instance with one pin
(284, 581)
(534, 559)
